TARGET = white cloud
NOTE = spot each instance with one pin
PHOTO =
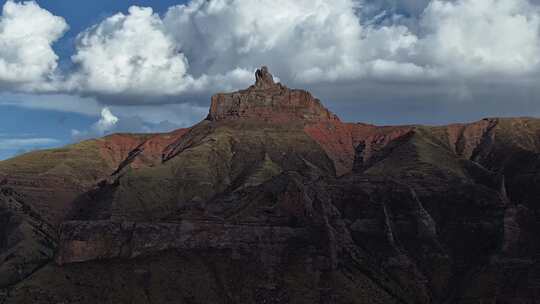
(107, 121)
(132, 61)
(129, 54)
(27, 33)
(105, 125)
(205, 46)
(304, 41)
(481, 36)
(314, 41)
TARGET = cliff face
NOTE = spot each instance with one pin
(269, 101)
(272, 199)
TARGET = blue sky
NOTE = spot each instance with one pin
(23, 124)
(72, 70)
(83, 14)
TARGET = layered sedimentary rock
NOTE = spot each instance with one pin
(87, 241)
(272, 199)
(269, 101)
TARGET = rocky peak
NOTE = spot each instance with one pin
(263, 79)
(269, 101)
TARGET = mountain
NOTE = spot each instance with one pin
(273, 199)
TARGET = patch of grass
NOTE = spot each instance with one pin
(80, 161)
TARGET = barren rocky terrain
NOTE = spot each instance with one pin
(273, 199)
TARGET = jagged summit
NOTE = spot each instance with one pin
(263, 79)
(270, 102)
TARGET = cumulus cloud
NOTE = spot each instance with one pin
(106, 124)
(424, 49)
(313, 41)
(27, 33)
(303, 40)
(129, 54)
(204, 46)
(107, 121)
(207, 46)
(481, 36)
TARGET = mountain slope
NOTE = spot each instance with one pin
(272, 199)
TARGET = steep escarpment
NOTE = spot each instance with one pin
(268, 101)
(272, 199)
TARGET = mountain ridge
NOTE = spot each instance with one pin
(273, 199)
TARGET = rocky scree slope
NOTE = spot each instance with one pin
(272, 199)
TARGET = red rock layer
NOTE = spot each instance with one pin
(140, 150)
(269, 101)
(340, 140)
(336, 140)
(464, 138)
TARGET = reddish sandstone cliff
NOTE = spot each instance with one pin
(268, 101)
